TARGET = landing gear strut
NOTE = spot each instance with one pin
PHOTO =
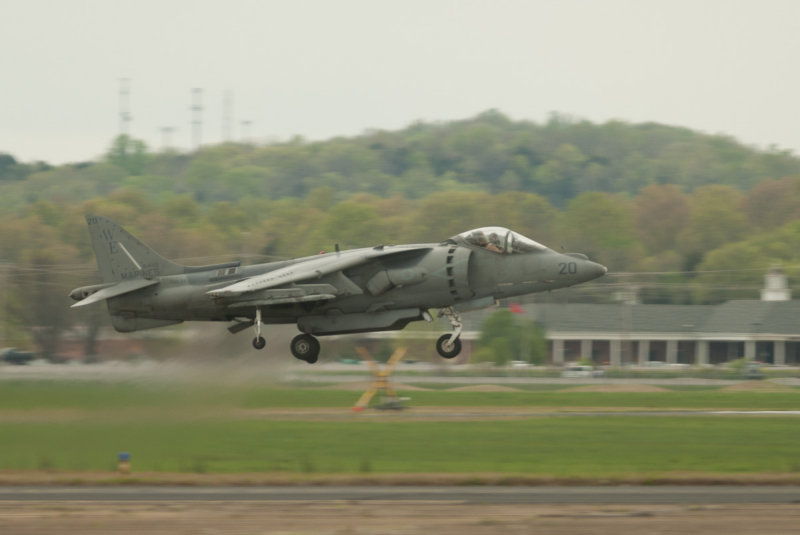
(258, 341)
(305, 347)
(449, 345)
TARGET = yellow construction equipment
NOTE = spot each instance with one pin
(389, 398)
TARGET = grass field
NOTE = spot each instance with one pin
(208, 429)
(562, 447)
(93, 396)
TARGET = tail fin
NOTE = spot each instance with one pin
(122, 257)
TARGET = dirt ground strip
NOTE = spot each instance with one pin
(412, 413)
(68, 478)
(409, 412)
(407, 518)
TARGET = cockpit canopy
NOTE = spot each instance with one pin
(499, 240)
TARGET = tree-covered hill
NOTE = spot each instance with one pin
(558, 160)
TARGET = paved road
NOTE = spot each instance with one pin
(293, 370)
(623, 494)
(456, 380)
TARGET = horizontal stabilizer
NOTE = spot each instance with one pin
(115, 290)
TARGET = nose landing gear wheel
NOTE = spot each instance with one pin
(447, 349)
(305, 347)
(449, 345)
(259, 342)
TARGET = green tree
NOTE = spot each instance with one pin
(505, 337)
(772, 203)
(442, 215)
(661, 213)
(128, 154)
(9, 169)
(736, 270)
(716, 217)
(602, 227)
(38, 280)
(350, 224)
(526, 213)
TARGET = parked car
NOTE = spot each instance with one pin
(752, 371)
(578, 371)
(12, 355)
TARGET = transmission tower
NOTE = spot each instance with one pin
(124, 106)
(197, 116)
(166, 137)
(227, 116)
(246, 131)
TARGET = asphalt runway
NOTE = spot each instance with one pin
(556, 495)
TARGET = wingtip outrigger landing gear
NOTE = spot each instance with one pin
(449, 345)
(258, 341)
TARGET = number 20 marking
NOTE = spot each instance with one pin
(568, 268)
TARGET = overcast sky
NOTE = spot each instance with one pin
(325, 68)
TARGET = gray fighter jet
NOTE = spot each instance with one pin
(372, 289)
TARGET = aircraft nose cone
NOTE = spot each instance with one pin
(589, 270)
(597, 270)
(579, 268)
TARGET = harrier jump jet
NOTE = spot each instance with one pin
(360, 290)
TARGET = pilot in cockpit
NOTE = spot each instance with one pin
(477, 237)
(495, 243)
(501, 240)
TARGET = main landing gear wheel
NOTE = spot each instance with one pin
(305, 347)
(446, 348)
(259, 342)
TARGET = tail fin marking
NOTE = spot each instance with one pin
(120, 256)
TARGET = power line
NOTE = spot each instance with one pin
(697, 272)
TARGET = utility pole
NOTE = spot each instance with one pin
(227, 116)
(246, 131)
(166, 137)
(197, 116)
(124, 106)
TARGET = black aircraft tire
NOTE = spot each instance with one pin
(453, 352)
(305, 347)
(259, 342)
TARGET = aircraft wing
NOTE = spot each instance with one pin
(311, 268)
(115, 290)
